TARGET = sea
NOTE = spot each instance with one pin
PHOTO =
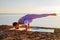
(49, 21)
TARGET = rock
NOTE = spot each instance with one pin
(6, 34)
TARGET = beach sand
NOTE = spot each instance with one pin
(6, 34)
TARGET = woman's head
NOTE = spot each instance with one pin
(16, 25)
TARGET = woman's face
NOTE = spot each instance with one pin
(17, 26)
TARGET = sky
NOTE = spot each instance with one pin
(20, 7)
(29, 6)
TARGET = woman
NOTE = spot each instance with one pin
(27, 19)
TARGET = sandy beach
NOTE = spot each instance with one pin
(6, 34)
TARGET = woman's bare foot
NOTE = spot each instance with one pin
(53, 14)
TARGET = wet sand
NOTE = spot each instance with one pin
(6, 34)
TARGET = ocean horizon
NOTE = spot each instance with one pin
(49, 21)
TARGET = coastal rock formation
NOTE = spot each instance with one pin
(6, 34)
(25, 35)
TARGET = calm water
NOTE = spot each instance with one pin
(50, 21)
(41, 30)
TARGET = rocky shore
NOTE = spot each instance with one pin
(6, 34)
